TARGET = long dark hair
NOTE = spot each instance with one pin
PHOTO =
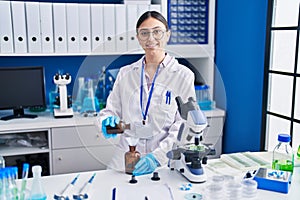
(153, 14)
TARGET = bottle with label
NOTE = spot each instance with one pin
(37, 190)
(283, 156)
(131, 158)
(2, 162)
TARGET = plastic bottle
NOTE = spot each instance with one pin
(131, 158)
(2, 185)
(2, 162)
(203, 97)
(283, 156)
(37, 190)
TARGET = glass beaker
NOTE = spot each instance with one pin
(90, 101)
(80, 94)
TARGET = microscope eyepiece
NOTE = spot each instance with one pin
(56, 77)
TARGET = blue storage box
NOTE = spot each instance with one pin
(273, 180)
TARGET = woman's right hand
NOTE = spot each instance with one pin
(110, 121)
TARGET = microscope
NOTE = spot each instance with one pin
(63, 101)
(188, 155)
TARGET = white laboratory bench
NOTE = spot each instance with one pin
(106, 180)
(67, 137)
(46, 120)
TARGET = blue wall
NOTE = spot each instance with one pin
(240, 43)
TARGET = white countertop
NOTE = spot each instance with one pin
(45, 120)
(106, 180)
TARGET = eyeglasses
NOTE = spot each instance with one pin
(157, 34)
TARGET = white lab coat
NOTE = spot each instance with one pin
(124, 102)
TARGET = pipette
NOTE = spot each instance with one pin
(68, 189)
(24, 180)
(83, 193)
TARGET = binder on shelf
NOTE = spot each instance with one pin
(84, 28)
(142, 8)
(109, 28)
(97, 31)
(132, 42)
(155, 7)
(6, 33)
(60, 27)
(19, 26)
(121, 33)
(137, 1)
(33, 27)
(46, 23)
(72, 27)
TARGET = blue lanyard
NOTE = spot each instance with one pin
(150, 93)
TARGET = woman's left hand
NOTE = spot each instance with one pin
(145, 165)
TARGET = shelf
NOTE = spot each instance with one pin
(191, 51)
(16, 151)
(182, 51)
(214, 113)
(74, 54)
(44, 121)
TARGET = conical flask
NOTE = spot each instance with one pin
(37, 190)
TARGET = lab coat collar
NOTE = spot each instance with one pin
(169, 62)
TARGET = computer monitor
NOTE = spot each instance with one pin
(20, 88)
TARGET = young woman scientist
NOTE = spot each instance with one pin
(144, 96)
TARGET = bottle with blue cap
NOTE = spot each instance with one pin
(203, 97)
(283, 156)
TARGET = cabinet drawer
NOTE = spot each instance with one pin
(68, 137)
(81, 159)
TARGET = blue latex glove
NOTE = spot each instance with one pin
(145, 165)
(109, 121)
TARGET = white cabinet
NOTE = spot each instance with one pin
(28, 145)
(79, 148)
(81, 159)
(213, 134)
(72, 144)
(77, 136)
